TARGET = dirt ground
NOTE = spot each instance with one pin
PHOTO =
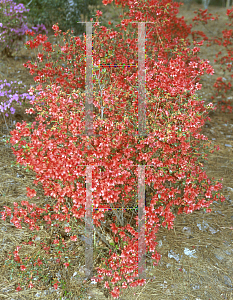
(197, 255)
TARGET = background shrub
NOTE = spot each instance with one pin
(65, 12)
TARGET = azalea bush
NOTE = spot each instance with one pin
(57, 149)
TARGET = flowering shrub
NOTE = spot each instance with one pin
(13, 26)
(68, 13)
(12, 97)
(58, 150)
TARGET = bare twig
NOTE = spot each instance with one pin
(104, 239)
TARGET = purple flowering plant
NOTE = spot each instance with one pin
(13, 26)
(13, 29)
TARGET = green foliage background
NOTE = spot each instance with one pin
(50, 12)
